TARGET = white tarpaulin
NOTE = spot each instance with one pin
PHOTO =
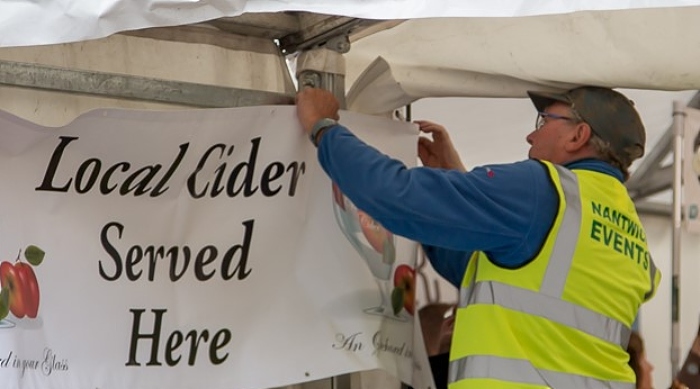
(189, 247)
(445, 48)
(656, 49)
(60, 21)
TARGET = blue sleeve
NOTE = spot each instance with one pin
(504, 210)
(449, 264)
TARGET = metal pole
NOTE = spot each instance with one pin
(323, 68)
(678, 124)
(120, 86)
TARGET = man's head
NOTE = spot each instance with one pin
(604, 122)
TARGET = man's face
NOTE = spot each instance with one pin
(547, 142)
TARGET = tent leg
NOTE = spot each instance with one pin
(678, 124)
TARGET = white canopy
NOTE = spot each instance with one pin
(444, 48)
(655, 49)
(60, 21)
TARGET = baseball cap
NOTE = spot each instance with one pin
(610, 114)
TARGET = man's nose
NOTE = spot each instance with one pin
(528, 138)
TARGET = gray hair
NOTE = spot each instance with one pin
(605, 152)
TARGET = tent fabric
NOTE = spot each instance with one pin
(446, 48)
(655, 49)
(61, 21)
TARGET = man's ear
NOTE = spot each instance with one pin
(579, 137)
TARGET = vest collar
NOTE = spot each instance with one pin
(595, 165)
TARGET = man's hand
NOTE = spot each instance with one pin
(314, 104)
(439, 152)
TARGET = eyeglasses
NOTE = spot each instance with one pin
(544, 117)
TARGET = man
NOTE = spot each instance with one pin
(690, 371)
(549, 253)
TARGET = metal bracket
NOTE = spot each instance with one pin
(340, 43)
(309, 78)
(331, 33)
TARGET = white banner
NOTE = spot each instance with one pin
(193, 249)
(691, 169)
(62, 21)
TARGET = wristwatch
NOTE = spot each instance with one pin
(318, 128)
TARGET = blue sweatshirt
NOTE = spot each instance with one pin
(505, 210)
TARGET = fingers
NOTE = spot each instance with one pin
(429, 153)
(438, 152)
(431, 127)
(424, 142)
(426, 145)
(314, 104)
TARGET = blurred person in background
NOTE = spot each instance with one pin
(643, 368)
(690, 372)
(437, 323)
(639, 362)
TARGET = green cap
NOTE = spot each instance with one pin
(610, 114)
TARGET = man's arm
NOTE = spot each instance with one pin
(503, 210)
(488, 209)
(449, 264)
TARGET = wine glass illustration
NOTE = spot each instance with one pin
(4, 323)
(374, 244)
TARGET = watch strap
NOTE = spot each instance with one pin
(321, 125)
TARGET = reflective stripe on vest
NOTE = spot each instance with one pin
(545, 303)
(565, 245)
(652, 276)
(517, 370)
(551, 308)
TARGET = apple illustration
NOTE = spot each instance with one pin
(21, 284)
(4, 303)
(9, 277)
(374, 232)
(31, 288)
(404, 289)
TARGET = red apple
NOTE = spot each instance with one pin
(21, 283)
(405, 279)
(31, 289)
(374, 232)
(9, 278)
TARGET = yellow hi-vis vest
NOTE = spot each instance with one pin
(562, 320)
